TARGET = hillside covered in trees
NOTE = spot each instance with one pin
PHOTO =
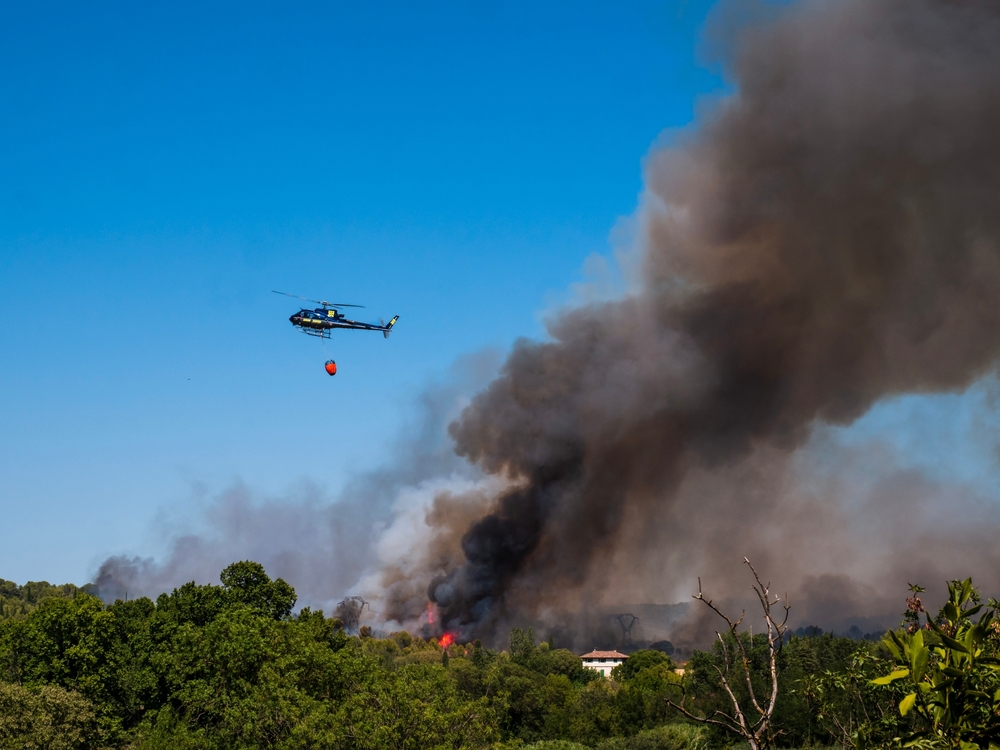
(230, 666)
(20, 601)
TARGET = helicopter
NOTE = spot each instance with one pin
(321, 321)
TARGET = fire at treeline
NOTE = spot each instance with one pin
(238, 665)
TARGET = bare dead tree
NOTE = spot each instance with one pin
(756, 728)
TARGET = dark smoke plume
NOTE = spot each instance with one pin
(827, 237)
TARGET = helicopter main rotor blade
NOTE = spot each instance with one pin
(317, 301)
(305, 299)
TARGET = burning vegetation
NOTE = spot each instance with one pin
(825, 237)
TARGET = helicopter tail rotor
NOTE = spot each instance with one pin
(387, 329)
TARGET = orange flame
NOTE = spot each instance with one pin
(446, 640)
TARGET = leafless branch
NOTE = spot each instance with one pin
(759, 734)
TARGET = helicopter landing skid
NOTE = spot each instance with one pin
(321, 334)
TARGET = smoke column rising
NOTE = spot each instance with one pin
(822, 240)
(826, 237)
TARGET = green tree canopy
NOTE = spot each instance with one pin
(639, 660)
(247, 583)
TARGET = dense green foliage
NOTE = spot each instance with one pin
(229, 666)
(48, 717)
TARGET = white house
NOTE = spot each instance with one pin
(603, 661)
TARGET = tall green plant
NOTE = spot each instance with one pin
(951, 668)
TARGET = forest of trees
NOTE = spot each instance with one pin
(230, 666)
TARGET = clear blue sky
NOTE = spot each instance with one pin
(166, 165)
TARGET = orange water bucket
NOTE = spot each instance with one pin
(331, 367)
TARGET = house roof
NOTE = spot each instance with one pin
(604, 655)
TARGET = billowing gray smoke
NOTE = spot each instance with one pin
(828, 236)
(321, 545)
